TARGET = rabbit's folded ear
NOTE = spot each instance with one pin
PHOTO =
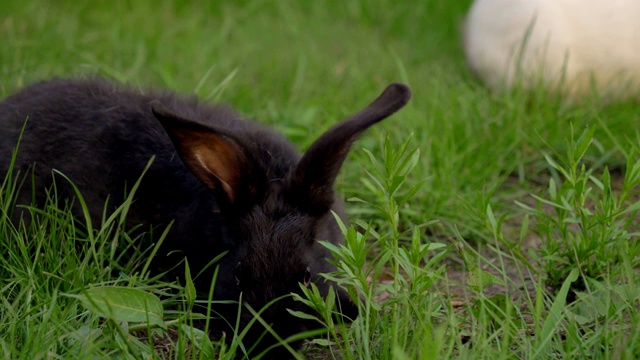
(317, 170)
(217, 159)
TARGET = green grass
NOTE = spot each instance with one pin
(512, 234)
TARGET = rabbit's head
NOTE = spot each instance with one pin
(274, 208)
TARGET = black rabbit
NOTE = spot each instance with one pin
(227, 183)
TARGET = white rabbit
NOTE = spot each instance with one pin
(570, 46)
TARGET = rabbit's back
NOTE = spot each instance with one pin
(565, 44)
(102, 136)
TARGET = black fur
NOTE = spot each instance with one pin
(229, 184)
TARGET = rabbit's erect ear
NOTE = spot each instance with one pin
(215, 158)
(317, 170)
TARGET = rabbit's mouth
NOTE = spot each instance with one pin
(274, 325)
(261, 340)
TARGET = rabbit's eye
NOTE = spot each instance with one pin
(237, 273)
(306, 277)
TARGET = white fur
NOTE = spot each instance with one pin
(574, 46)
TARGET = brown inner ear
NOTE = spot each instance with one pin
(214, 159)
